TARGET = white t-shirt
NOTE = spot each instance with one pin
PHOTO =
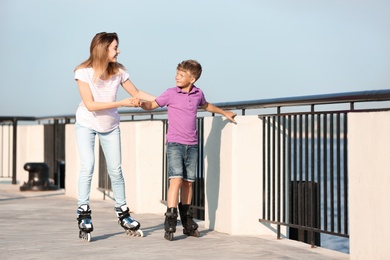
(102, 91)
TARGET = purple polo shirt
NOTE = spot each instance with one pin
(182, 110)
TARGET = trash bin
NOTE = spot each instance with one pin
(304, 211)
(59, 179)
(38, 178)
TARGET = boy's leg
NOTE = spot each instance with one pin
(189, 176)
(171, 214)
(175, 155)
(173, 192)
(186, 192)
(189, 225)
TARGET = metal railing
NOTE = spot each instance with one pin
(305, 173)
(305, 166)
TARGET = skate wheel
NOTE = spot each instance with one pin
(135, 233)
(196, 233)
(139, 233)
(192, 233)
(88, 237)
(129, 232)
(168, 236)
(85, 236)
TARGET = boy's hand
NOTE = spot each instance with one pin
(230, 115)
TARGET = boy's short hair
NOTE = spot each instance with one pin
(191, 66)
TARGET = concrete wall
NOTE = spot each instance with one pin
(233, 180)
(232, 174)
(142, 148)
(232, 169)
(6, 150)
(369, 184)
(30, 148)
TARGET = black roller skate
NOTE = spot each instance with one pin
(170, 223)
(190, 228)
(85, 222)
(131, 226)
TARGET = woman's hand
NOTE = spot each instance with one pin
(131, 102)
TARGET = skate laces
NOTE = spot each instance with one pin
(84, 213)
(122, 212)
(84, 217)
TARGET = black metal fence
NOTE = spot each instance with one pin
(305, 172)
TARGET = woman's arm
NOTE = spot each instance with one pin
(134, 92)
(91, 105)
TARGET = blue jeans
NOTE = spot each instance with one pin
(182, 161)
(111, 145)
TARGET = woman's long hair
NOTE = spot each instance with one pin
(98, 58)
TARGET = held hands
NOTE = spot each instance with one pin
(131, 102)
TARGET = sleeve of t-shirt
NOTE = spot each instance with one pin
(81, 75)
(202, 100)
(163, 99)
(124, 75)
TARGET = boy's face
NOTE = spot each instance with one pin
(184, 79)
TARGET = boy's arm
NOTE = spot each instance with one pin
(214, 109)
(149, 105)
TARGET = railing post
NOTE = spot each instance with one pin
(14, 148)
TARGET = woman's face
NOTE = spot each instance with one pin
(113, 51)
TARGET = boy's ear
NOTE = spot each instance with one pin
(193, 79)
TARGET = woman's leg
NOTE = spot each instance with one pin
(111, 145)
(86, 143)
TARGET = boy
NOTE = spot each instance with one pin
(182, 103)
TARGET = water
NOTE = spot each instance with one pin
(333, 242)
(336, 243)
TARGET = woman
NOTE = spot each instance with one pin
(98, 79)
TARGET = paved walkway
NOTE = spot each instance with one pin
(42, 225)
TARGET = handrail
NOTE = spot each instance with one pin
(344, 97)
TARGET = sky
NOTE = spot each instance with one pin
(249, 49)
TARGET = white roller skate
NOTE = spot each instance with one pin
(85, 222)
(131, 226)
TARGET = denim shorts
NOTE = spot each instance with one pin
(182, 161)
